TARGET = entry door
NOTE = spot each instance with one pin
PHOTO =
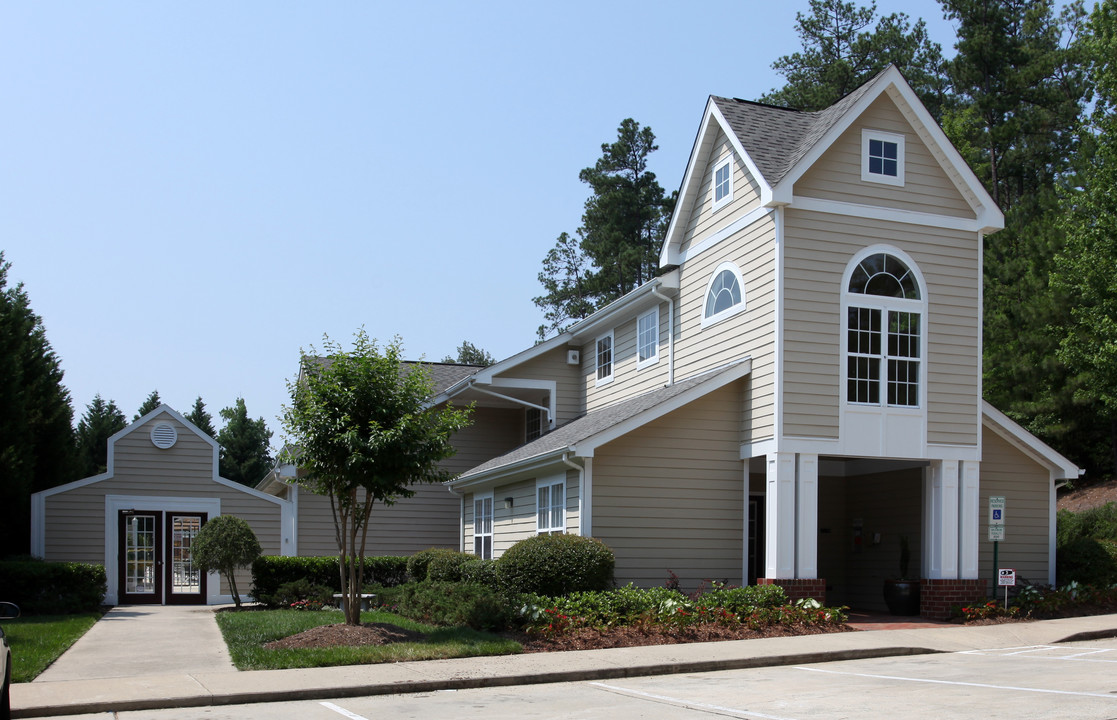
(155, 563)
(141, 564)
(185, 583)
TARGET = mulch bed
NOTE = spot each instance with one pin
(349, 635)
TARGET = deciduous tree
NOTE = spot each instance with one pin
(365, 432)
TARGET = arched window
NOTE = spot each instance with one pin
(884, 333)
(725, 294)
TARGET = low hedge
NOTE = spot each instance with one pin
(556, 565)
(52, 588)
(270, 572)
(451, 604)
(419, 564)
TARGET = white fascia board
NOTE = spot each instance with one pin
(485, 376)
(72, 485)
(1018, 437)
(880, 212)
(586, 447)
(688, 191)
(607, 317)
(526, 467)
(989, 217)
(233, 485)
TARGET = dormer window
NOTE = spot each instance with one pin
(882, 157)
(723, 183)
(725, 295)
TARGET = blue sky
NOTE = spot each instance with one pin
(193, 192)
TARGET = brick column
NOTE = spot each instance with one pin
(799, 588)
(937, 597)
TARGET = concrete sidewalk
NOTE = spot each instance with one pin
(222, 686)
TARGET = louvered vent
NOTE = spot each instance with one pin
(164, 435)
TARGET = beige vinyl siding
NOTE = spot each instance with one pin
(1025, 485)
(670, 495)
(627, 380)
(750, 333)
(510, 525)
(430, 518)
(494, 431)
(885, 503)
(837, 174)
(818, 247)
(552, 366)
(746, 194)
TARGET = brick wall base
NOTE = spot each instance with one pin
(937, 597)
(799, 588)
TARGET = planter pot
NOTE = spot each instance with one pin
(902, 596)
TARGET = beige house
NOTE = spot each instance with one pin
(797, 390)
(139, 517)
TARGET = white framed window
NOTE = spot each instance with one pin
(604, 354)
(725, 294)
(550, 514)
(884, 333)
(535, 423)
(647, 338)
(723, 183)
(882, 157)
(483, 526)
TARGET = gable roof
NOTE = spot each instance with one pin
(778, 145)
(1029, 444)
(582, 436)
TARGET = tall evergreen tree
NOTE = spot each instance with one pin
(622, 227)
(844, 45)
(153, 401)
(1018, 91)
(245, 457)
(100, 422)
(1086, 270)
(470, 354)
(201, 418)
(36, 433)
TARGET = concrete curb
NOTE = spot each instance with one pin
(206, 698)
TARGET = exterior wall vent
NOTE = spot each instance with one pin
(573, 357)
(164, 436)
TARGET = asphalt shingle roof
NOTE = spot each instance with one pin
(592, 423)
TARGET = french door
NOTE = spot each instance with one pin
(155, 562)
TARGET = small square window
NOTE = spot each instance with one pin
(882, 157)
(723, 183)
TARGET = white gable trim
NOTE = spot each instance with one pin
(712, 120)
(879, 212)
(989, 217)
(714, 238)
(1030, 445)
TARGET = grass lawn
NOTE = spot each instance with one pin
(246, 633)
(37, 640)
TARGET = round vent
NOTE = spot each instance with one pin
(164, 435)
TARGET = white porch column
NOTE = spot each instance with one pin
(779, 513)
(969, 515)
(806, 516)
(940, 529)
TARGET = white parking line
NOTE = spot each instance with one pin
(689, 704)
(963, 684)
(342, 711)
(1055, 653)
(1088, 652)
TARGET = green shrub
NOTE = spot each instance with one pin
(452, 604)
(447, 567)
(52, 588)
(743, 599)
(1087, 560)
(480, 571)
(555, 565)
(224, 544)
(304, 593)
(418, 565)
(271, 571)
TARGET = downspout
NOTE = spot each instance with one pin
(670, 334)
(583, 496)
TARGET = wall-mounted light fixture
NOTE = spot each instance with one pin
(507, 503)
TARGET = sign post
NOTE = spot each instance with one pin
(997, 528)
(1006, 578)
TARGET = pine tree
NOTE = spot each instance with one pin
(623, 224)
(470, 354)
(36, 433)
(202, 419)
(843, 48)
(100, 422)
(245, 457)
(148, 405)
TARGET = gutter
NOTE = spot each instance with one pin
(670, 334)
(584, 497)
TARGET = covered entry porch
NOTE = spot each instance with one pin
(832, 528)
